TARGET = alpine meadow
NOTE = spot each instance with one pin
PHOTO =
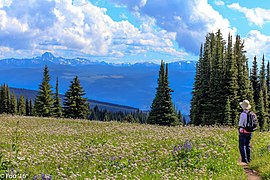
(134, 90)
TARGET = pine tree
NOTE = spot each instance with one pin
(57, 102)
(44, 100)
(197, 94)
(75, 106)
(268, 76)
(13, 104)
(21, 106)
(31, 113)
(162, 111)
(5, 98)
(231, 86)
(215, 102)
(264, 90)
(27, 109)
(228, 119)
(261, 112)
(254, 78)
(180, 117)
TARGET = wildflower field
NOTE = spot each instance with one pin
(46, 148)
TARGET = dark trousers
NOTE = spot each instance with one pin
(244, 146)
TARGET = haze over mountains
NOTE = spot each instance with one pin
(126, 84)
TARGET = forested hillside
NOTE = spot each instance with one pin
(223, 79)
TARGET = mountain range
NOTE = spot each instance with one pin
(131, 85)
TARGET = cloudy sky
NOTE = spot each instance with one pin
(129, 30)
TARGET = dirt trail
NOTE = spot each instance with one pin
(252, 175)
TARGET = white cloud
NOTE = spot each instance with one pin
(257, 16)
(257, 44)
(77, 26)
(219, 3)
(191, 20)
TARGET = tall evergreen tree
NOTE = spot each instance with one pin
(227, 119)
(57, 102)
(75, 106)
(231, 86)
(180, 117)
(221, 81)
(197, 94)
(13, 104)
(44, 100)
(162, 111)
(27, 108)
(21, 106)
(264, 90)
(4, 98)
(31, 108)
(268, 77)
(261, 112)
(215, 103)
(254, 78)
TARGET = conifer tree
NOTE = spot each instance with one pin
(199, 104)
(264, 90)
(227, 119)
(162, 111)
(215, 102)
(27, 109)
(221, 81)
(75, 106)
(268, 77)
(5, 98)
(44, 100)
(180, 117)
(57, 102)
(231, 86)
(13, 104)
(31, 113)
(195, 109)
(254, 78)
(261, 112)
(21, 106)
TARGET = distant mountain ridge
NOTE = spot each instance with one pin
(31, 94)
(48, 58)
(127, 84)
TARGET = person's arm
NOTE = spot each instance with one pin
(242, 119)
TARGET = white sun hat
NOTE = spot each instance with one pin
(245, 104)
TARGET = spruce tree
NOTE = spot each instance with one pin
(162, 111)
(13, 104)
(268, 76)
(27, 108)
(5, 98)
(156, 108)
(21, 106)
(231, 86)
(264, 90)
(57, 102)
(180, 117)
(254, 78)
(228, 119)
(75, 106)
(215, 102)
(44, 100)
(31, 113)
(197, 94)
(261, 112)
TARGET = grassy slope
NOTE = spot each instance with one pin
(77, 149)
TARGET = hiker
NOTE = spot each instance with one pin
(244, 134)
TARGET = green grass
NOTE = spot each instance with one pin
(261, 154)
(79, 149)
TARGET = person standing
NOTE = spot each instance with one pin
(244, 134)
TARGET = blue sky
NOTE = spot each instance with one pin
(129, 30)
